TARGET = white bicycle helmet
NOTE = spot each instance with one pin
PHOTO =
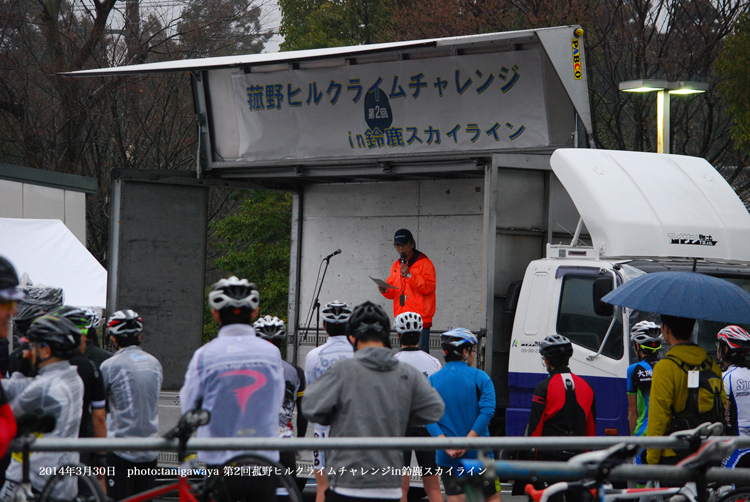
(125, 323)
(93, 318)
(734, 337)
(234, 293)
(336, 312)
(408, 322)
(271, 329)
(648, 328)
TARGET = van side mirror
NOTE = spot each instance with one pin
(602, 286)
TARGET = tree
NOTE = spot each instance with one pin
(88, 126)
(254, 243)
(625, 40)
(733, 66)
(323, 23)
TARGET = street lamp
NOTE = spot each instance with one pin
(663, 89)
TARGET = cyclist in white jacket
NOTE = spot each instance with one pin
(132, 382)
(318, 361)
(58, 391)
(239, 379)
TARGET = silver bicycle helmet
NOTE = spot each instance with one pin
(125, 324)
(234, 293)
(271, 329)
(336, 312)
(555, 345)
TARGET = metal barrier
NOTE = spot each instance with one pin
(531, 470)
(351, 443)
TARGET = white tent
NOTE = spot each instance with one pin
(52, 256)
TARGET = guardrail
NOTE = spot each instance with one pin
(354, 443)
(520, 469)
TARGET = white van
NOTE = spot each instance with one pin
(645, 213)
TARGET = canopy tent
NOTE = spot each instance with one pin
(51, 255)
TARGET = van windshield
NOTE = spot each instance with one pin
(578, 321)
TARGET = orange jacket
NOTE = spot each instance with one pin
(419, 289)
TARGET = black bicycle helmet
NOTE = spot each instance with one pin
(8, 282)
(234, 293)
(369, 321)
(59, 333)
(74, 314)
(125, 324)
(25, 316)
(271, 329)
(555, 345)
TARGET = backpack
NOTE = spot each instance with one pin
(704, 402)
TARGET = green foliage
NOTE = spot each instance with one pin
(254, 243)
(733, 64)
(313, 24)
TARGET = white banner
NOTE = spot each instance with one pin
(452, 104)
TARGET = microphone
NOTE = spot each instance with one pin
(403, 257)
(338, 251)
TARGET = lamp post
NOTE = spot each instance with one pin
(664, 89)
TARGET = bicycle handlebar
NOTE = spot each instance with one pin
(189, 423)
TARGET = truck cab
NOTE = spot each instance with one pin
(644, 213)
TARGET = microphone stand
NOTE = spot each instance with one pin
(316, 302)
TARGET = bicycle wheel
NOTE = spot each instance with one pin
(71, 485)
(738, 495)
(245, 470)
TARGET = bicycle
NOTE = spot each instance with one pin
(598, 466)
(87, 487)
(208, 488)
(709, 454)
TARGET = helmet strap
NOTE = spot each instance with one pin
(38, 360)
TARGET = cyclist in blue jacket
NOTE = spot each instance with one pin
(469, 397)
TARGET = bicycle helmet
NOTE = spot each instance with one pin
(74, 314)
(125, 324)
(555, 345)
(26, 315)
(94, 319)
(336, 312)
(8, 282)
(234, 293)
(271, 329)
(58, 333)
(735, 338)
(408, 322)
(456, 340)
(647, 335)
(369, 322)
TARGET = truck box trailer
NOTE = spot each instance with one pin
(451, 138)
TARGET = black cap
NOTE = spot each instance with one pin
(403, 236)
(8, 282)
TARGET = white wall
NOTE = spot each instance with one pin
(24, 200)
(446, 218)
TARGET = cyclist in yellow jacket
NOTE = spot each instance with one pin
(669, 385)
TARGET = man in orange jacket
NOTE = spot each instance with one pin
(413, 275)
